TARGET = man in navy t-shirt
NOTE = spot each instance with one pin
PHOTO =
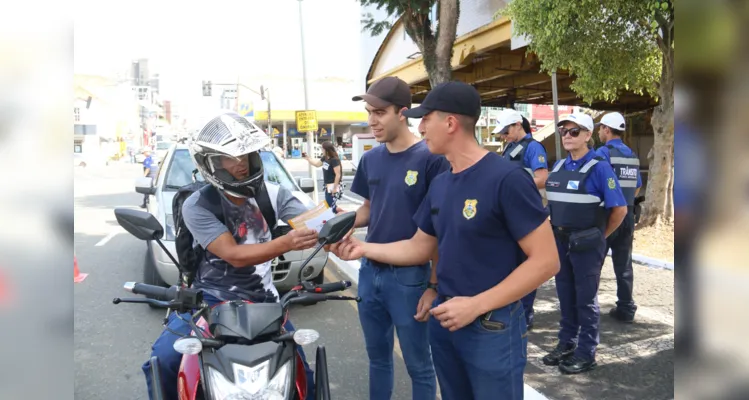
(482, 216)
(393, 179)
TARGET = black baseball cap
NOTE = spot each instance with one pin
(388, 91)
(450, 97)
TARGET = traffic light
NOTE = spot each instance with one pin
(207, 88)
(262, 93)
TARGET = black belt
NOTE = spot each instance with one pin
(379, 264)
(383, 265)
(563, 231)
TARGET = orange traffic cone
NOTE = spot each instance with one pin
(78, 277)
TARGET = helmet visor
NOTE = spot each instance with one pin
(235, 170)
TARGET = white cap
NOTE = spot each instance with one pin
(613, 120)
(582, 120)
(506, 118)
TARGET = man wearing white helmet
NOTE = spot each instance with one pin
(626, 166)
(528, 153)
(236, 250)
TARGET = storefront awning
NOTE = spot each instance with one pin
(484, 59)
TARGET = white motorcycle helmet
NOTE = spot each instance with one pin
(226, 154)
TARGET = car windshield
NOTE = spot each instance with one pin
(181, 167)
(163, 146)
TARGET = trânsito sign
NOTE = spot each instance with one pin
(306, 121)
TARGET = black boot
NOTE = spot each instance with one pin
(576, 365)
(560, 353)
(620, 316)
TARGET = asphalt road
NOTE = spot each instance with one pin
(112, 341)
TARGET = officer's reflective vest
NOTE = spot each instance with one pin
(626, 169)
(515, 153)
(571, 206)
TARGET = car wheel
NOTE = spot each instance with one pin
(320, 278)
(150, 273)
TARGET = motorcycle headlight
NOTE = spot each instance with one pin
(252, 383)
(169, 228)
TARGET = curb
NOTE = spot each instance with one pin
(351, 270)
(649, 261)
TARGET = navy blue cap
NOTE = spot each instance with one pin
(450, 97)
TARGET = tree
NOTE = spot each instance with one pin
(436, 47)
(611, 46)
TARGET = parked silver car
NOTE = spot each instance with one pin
(176, 171)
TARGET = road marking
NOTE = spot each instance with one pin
(109, 237)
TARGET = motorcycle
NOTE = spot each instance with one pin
(238, 350)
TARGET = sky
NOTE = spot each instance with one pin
(256, 41)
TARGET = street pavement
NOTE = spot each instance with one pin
(111, 342)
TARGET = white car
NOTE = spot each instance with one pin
(89, 160)
(176, 171)
(161, 149)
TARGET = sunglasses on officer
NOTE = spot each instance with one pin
(574, 132)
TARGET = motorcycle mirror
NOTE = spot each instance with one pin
(188, 345)
(335, 229)
(306, 336)
(140, 224)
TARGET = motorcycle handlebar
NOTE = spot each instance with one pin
(155, 292)
(332, 287)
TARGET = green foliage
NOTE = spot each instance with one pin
(394, 9)
(609, 45)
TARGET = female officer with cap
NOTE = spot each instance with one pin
(477, 215)
(582, 191)
(626, 166)
(529, 154)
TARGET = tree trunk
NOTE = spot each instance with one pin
(670, 198)
(654, 210)
(449, 11)
(436, 50)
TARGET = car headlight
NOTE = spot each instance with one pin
(169, 228)
(252, 383)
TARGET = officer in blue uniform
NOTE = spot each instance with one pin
(586, 205)
(626, 166)
(529, 154)
(476, 215)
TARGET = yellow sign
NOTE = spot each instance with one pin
(411, 177)
(306, 121)
(367, 147)
(469, 210)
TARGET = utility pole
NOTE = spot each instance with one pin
(265, 95)
(310, 135)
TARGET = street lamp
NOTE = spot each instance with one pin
(310, 135)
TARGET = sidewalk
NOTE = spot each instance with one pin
(635, 361)
(351, 270)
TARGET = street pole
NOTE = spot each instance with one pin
(557, 139)
(270, 126)
(310, 135)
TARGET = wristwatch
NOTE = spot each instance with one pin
(431, 285)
